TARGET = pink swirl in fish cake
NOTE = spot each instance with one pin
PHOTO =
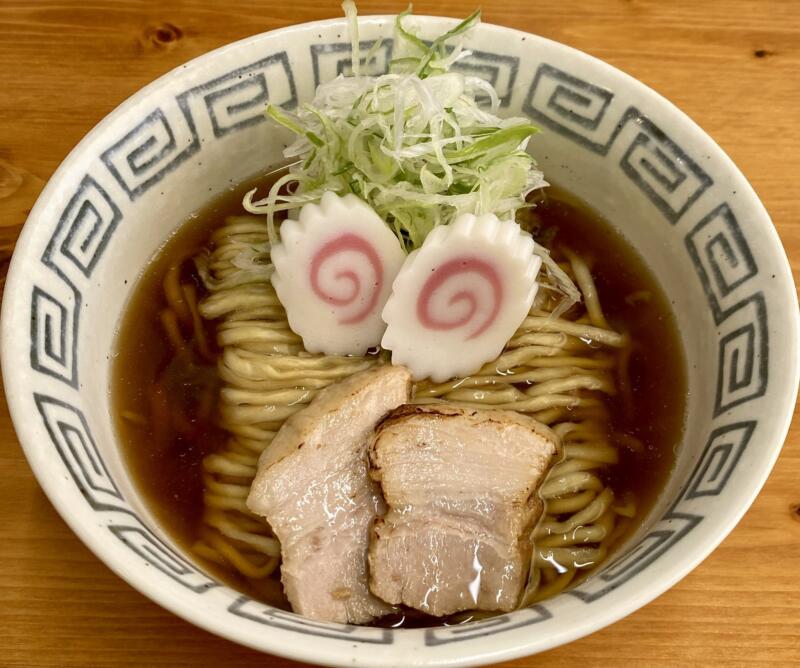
(345, 243)
(460, 266)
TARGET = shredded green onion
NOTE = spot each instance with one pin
(415, 143)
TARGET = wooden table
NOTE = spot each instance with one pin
(732, 66)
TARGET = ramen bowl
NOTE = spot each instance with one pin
(640, 162)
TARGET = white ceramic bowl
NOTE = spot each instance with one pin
(642, 163)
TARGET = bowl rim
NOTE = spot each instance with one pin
(340, 654)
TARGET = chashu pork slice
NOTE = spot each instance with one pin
(461, 490)
(314, 489)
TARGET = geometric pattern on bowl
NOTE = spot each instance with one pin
(162, 139)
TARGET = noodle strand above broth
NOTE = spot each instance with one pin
(268, 377)
(574, 372)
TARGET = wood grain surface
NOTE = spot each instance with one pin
(732, 66)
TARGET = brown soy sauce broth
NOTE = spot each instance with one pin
(632, 302)
(160, 399)
(164, 451)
